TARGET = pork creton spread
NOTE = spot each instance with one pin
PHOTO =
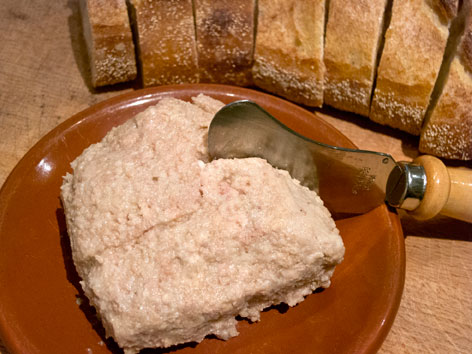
(172, 247)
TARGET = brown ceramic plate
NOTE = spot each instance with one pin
(39, 307)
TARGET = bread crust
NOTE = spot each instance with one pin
(448, 131)
(225, 40)
(414, 47)
(167, 47)
(466, 49)
(353, 34)
(447, 8)
(109, 41)
(288, 58)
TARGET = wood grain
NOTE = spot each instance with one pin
(45, 79)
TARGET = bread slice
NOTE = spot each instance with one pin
(354, 32)
(166, 36)
(225, 40)
(448, 130)
(109, 41)
(414, 46)
(288, 58)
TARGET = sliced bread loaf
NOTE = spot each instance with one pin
(414, 47)
(109, 41)
(354, 32)
(288, 58)
(448, 130)
(166, 36)
(225, 40)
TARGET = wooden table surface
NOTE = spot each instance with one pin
(44, 79)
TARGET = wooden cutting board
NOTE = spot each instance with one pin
(44, 80)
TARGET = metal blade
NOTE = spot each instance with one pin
(348, 181)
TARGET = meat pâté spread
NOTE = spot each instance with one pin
(172, 247)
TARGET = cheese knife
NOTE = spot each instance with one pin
(349, 181)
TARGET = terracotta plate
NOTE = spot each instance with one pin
(40, 307)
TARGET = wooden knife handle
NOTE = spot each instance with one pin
(448, 191)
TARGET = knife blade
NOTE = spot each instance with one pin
(349, 181)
